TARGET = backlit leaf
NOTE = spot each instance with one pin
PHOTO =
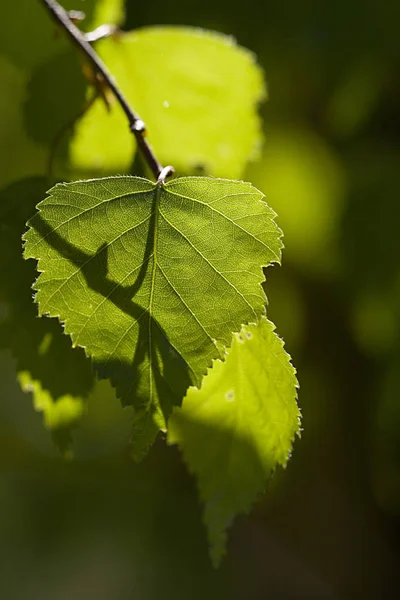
(101, 144)
(152, 279)
(197, 92)
(238, 426)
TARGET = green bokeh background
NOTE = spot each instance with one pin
(100, 527)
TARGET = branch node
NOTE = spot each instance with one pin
(76, 16)
(166, 172)
(138, 126)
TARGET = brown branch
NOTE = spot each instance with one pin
(136, 125)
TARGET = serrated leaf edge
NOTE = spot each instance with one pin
(64, 323)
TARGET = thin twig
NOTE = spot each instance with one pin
(136, 125)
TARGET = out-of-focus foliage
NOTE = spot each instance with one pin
(58, 378)
(20, 155)
(197, 93)
(31, 37)
(90, 151)
(304, 182)
(44, 88)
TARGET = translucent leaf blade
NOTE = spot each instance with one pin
(60, 415)
(238, 426)
(152, 280)
(196, 90)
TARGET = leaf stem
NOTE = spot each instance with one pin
(136, 125)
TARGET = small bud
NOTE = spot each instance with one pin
(76, 16)
(139, 126)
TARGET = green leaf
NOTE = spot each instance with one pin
(238, 426)
(197, 92)
(20, 156)
(306, 186)
(60, 415)
(41, 72)
(59, 378)
(101, 144)
(30, 36)
(152, 279)
(46, 111)
(108, 11)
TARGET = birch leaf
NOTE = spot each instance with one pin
(152, 279)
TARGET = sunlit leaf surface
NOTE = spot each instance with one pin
(152, 279)
(197, 92)
(238, 426)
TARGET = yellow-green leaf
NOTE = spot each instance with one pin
(197, 92)
(238, 426)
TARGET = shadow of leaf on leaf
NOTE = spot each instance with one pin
(167, 367)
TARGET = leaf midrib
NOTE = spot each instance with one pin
(157, 192)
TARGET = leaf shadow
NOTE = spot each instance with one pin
(169, 370)
(42, 353)
(45, 109)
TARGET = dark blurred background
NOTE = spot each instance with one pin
(100, 527)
